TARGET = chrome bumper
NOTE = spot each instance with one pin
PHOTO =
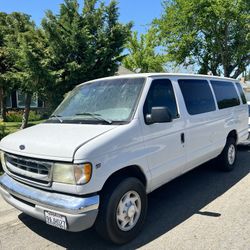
(80, 212)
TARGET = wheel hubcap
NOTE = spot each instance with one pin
(128, 210)
(131, 211)
(231, 154)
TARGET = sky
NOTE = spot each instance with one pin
(141, 12)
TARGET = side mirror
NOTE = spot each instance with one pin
(158, 115)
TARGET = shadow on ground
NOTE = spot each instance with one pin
(169, 206)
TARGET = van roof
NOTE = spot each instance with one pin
(165, 74)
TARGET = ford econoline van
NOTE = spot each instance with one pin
(114, 140)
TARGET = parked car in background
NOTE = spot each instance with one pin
(114, 140)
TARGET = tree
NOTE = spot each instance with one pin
(31, 74)
(34, 74)
(142, 53)
(7, 59)
(213, 34)
(86, 45)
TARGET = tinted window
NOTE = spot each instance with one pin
(197, 95)
(161, 94)
(226, 94)
(242, 95)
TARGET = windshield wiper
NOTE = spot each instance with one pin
(96, 116)
(57, 117)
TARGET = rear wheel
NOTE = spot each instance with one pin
(227, 158)
(122, 211)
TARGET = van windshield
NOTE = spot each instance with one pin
(102, 101)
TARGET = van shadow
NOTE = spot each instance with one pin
(168, 206)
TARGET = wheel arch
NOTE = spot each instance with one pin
(128, 171)
(233, 134)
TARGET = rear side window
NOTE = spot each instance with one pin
(242, 95)
(161, 94)
(197, 95)
(226, 94)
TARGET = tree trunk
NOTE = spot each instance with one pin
(26, 111)
(226, 71)
(2, 104)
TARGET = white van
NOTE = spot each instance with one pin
(114, 140)
(248, 103)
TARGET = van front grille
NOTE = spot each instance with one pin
(29, 169)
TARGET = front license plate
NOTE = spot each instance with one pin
(56, 220)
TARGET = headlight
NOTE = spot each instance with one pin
(72, 173)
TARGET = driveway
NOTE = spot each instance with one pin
(203, 209)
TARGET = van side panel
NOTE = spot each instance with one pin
(204, 138)
(166, 155)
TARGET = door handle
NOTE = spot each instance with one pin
(182, 138)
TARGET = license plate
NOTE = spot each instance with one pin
(56, 220)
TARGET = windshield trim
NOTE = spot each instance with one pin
(137, 101)
(85, 121)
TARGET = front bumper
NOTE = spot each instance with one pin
(80, 212)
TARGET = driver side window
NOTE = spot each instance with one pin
(161, 94)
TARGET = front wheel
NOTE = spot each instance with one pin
(122, 211)
(227, 158)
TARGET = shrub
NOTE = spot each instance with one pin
(34, 116)
(2, 130)
(16, 116)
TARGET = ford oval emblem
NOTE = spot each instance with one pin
(22, 147)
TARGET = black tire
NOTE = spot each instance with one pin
(107, 225)
(224, 161)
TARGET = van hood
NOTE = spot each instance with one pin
(52, 141)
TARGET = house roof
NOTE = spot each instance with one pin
(246, 85)
(123, 71)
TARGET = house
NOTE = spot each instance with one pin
(16, 100)
(123, 71)
(246, 87)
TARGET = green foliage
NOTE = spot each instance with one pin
(84, 45)
(16, 116)
(27, 69)
(214, 34)
(27, 43)
(142, 53)
(12, 26)
(33, 72)
(7, 56)
(68, 49)
(7, 59)
(2, 130)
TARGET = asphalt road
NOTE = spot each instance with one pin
(203, 209)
